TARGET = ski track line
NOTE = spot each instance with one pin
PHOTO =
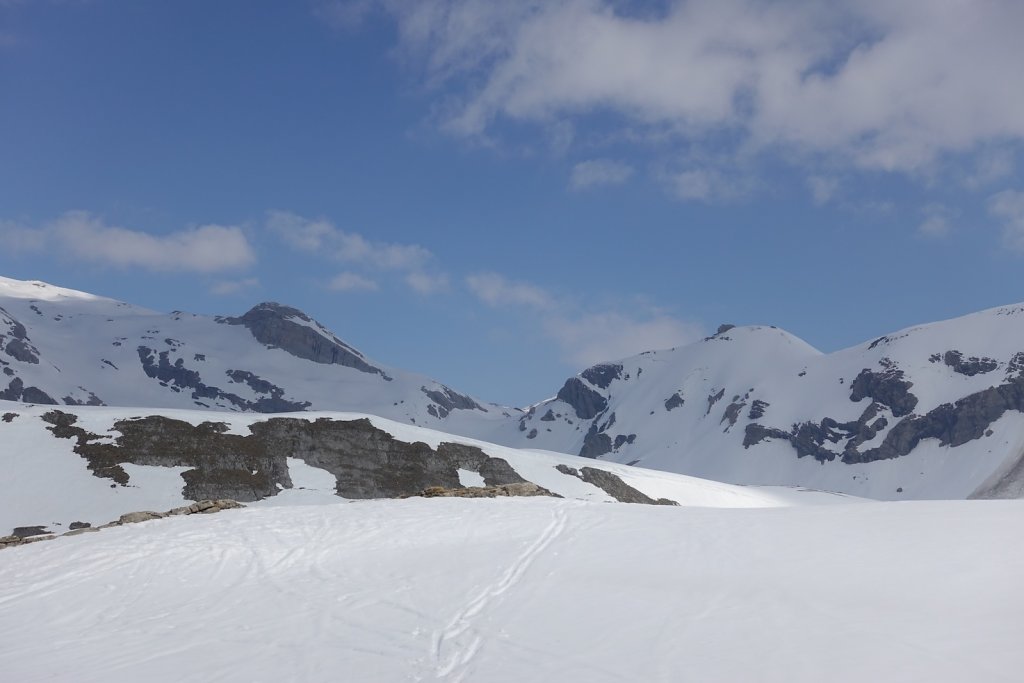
(460, 651)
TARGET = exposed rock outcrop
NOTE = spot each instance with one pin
(888, 387)
(502, 490)
(613, 485)
(602, 375)
(448, 400)
(14, 340)
(969, 366)
(596, 443)
(953, 424)
(23, 535)
(17, 391)
(366, 461)
(587, 402)
(292, 331)
(179, 377)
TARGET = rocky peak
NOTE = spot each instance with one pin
(289, 329)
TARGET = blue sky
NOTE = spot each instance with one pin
(498, 194)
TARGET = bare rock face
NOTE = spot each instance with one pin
(369, 463)
(887, 387)
(953, 424)
(366, 461)
(596, 443)
(966, 366)
(223, 465)
(23, 535)
(585, 401)
(613, 485)
(14, 340)
(603, 374)
(291, 330)
(521, 489)
(142, 516)
(179, 376)
(446, 400)
(17, 391)
(29, 531)
(674, 401)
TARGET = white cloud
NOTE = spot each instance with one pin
(426, 283)
(17, 237)
(708, 185)
(585, 337)
(592, 338)
(298, 232)
(937, 221)
(990, 167)
(345, 15)
(229, 287)
(352, 282)
(598, 173)
(1008, 206)
(495, 290)
(82, 236)
(353, 247)
(693, 185)
(320, 235)
(874, 83)
(823, 188)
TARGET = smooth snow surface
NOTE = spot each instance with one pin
(470, 478)
(517, 590)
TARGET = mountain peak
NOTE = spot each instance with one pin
(289, 329)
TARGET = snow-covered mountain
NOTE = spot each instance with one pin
(61, 346)
(934, 411)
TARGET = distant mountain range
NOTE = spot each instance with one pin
(934, 411)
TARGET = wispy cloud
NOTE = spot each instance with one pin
(823, 188)
(584, 337)
(709, 185)
(590, 338)
(231, 287)
(352, 282)
(85, 237)
(599, 173)
(344, 15)
(937, 221)
(427, 283)
(1008, 207)
(989, 168)
(322, 237)
(496, 290)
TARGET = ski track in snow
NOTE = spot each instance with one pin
(454, 647)
(505, 591)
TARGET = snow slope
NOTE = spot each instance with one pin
(63, 346)
(932, 411)
(516, 590)
(44, 482)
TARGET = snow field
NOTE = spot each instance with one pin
(525, 590)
